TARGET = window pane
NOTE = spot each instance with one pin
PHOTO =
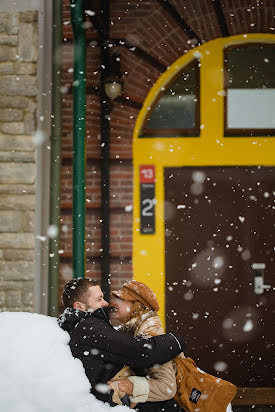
(170, 114)
(253, 108)
(250, 66)
(250, 82)
(176, 112)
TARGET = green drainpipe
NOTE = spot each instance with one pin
(79, 112)
(55, 159)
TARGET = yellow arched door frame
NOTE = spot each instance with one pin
(210, 149)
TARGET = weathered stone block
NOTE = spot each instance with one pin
(18, 254)
(25, 68)
(1, 254)
(9, 142)
(19, 157)
(7, 68)
(7, 53)
(11, 115)
(17, 202)
(17, 240)
(17, 189)
(29, 123)
(17, 68)
(17, 173)
(32, 106)
(10, 221)
(14, 101)
(12, 24)
(13, 298)
(28, 221)
(20, 270)
(22, 85)
(27, 309)
(27, 298)
(12, 128)
(11, 285)
(8, 40)
(6, 308)
(27, 40)
(3, 21)
(2, 298)
(30, 16)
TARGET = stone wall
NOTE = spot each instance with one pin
(18, 104)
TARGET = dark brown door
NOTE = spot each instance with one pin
(219, 221)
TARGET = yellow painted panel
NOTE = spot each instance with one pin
(198, 152)
(211, 148)
(148, 264)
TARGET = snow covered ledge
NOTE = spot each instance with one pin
(37, 370)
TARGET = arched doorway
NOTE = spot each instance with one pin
(204, 203)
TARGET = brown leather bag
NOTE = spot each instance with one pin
(199, 391)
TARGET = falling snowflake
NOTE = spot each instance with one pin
(220, 366)
(90, 12)
(52, 231)
(248, 326)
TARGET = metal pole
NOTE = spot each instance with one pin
(55, 159)
(105, 149)
(79, 160)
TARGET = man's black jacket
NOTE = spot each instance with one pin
(104, 351)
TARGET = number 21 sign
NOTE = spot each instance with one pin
(147, 199)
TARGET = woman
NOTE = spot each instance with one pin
(136, 308)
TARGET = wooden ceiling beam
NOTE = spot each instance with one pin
(181, 22)
(220, 17)
(140, 53)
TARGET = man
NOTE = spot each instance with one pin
(102, 349)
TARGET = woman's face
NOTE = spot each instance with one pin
(121, 309)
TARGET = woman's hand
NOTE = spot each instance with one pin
(124, 385)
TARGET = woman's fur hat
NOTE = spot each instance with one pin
(134, 290)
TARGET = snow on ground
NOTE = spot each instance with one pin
(37, 370)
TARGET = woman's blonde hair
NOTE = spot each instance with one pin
(138, 311)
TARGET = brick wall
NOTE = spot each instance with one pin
(18, 90)
(146, 25)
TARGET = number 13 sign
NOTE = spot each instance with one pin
(147, 199)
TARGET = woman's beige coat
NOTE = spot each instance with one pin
(160, 381)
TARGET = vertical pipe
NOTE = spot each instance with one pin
(79, 160)
(55, 158)
(105, 149)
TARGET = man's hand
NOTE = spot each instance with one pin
(124, 385)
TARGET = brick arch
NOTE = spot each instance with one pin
(159, 34)
(148, 26)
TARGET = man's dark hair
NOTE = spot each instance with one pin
(76, 290)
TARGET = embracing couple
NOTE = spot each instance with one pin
(133, 365)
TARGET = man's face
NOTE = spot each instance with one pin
(94, 300)
(121, 309)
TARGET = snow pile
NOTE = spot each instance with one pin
(37, 370)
